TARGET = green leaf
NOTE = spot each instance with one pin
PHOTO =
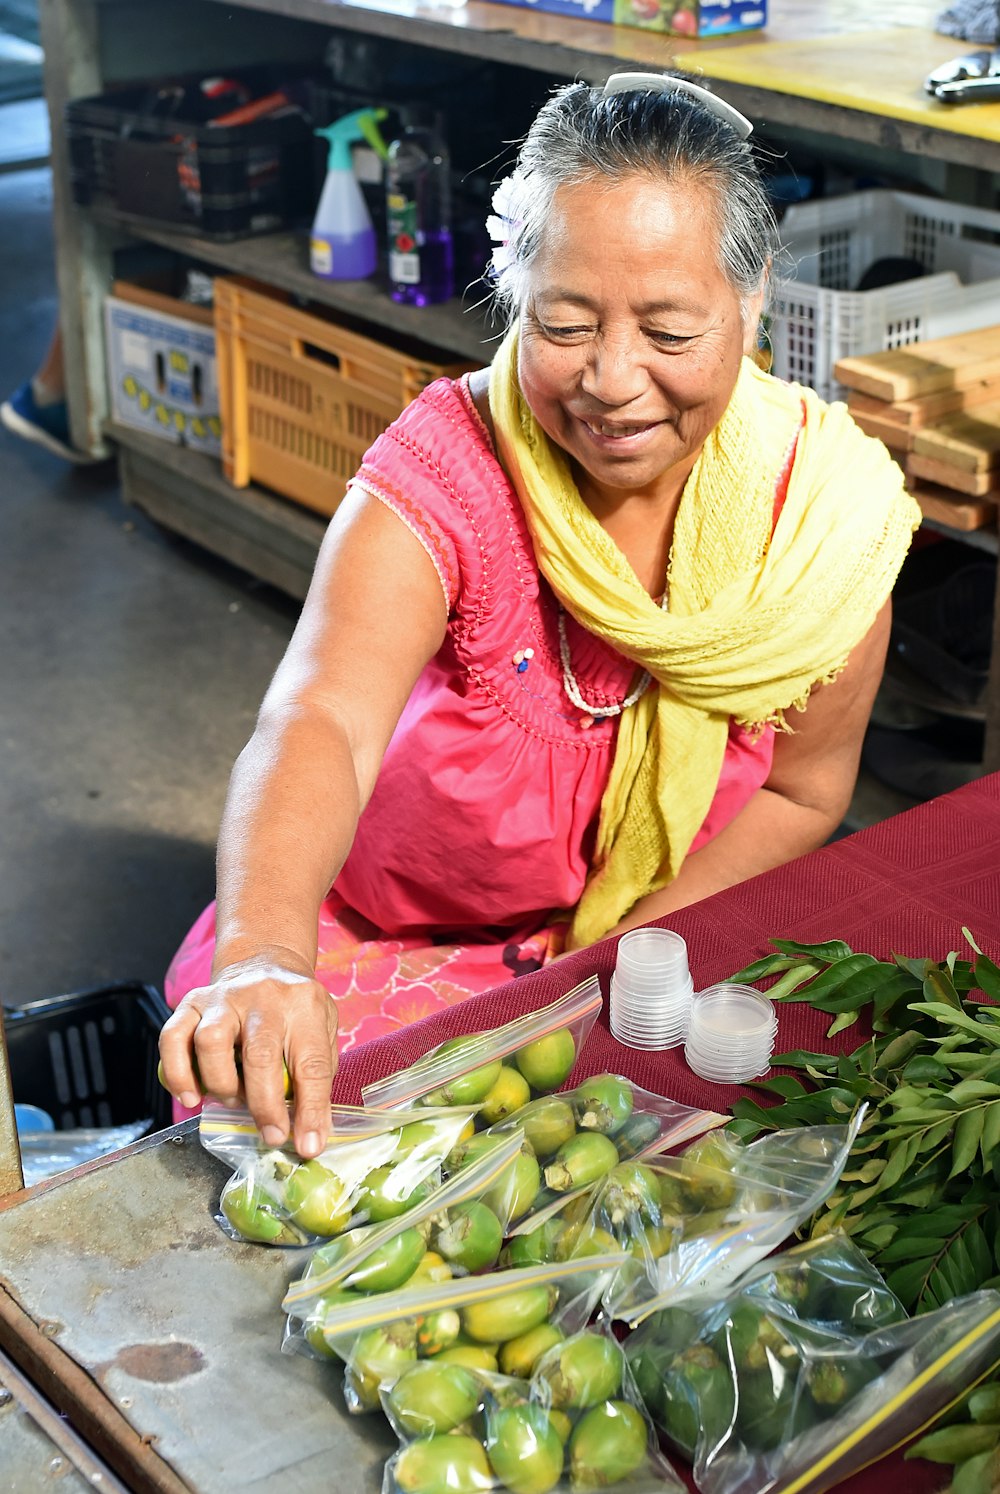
(979, 1254)
(783, 1084)
(907, 1282)
(970, 1090)
(944, 1013)
(939, 986)
(919, 1248)
(833, 949)
(924, 1069)
(917, 968)
(879, 1238)
(970, 940)
(975, 1474)
(987, 977)
(900, 1159)
(991, 1133)
(984, 1404)
(798, 1058)
(968, 1130)
(953, 1444)
(841, 1023)
(896, 1053)
(793, 979)
(745, 1109)
(769, 965)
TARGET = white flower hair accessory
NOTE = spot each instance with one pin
(505, 219)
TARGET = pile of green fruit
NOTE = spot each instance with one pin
(509, 1402)
(764, 1366)
(501, 1086)
(279, 1200)
(571, 1141)
(644, 1208)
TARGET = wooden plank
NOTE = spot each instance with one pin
(942, 507)
(896, 437)
(925, 408)
(967, 440)
(973, 484)
(922, 368)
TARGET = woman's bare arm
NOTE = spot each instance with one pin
(374, 616)
(806, 794)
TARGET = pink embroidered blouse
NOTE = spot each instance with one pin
(484, 815)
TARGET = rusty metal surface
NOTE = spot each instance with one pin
(39, 1453)
(123, 1266)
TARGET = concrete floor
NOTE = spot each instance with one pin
(131, 669)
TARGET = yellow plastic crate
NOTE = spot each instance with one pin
(301, 397)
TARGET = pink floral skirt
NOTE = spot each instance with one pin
(380, 983)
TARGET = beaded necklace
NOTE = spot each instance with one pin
(572, 688)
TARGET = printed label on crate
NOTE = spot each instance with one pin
(162, 375)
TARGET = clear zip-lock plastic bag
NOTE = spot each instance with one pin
(455, 1231)
(570, 1419)
(699, 1220)
(374, 1166)
(576, 1138)
(501, 1069)
(466, 1320)
(807, 1373)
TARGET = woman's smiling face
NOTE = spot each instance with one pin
(631, 336)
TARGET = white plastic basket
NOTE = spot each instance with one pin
(818, 319)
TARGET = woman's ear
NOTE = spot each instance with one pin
(753, 308)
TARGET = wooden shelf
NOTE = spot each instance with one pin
(282, 260)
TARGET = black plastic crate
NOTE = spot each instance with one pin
(222, 181)
(89, 1058)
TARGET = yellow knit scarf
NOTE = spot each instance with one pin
(753, 623)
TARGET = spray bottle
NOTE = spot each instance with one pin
(342, 244)
(418, 204)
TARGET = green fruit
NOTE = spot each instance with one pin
(707, 1178)
(312, 1327)
(608, 1445)
(423, 1137)
(696, 1397)
(631, 1194)
(432, 1267)
(318, 1199)
(391, 1264)
(509, 1093)
(524, 1449)
(255, 1215)
(388, 1192)
(580, 1161)
(430, 1397)
(518, 1356)
(517, 1188)
(470, 1356)
(834, 1381)
(449, 1464)
(652, 1242)
(464, 1089)
(582, 1370)
(465, 1152)
(547, 1061)
(584, 1239)
(536, 1248)
(498, 1319)
(636, 1134)
(437, 1331)
(563, 1424)
(471, 1238)
(326, 1257)
(546, 1124)
(378, 1357)
(603, 1103)
(769, 1412)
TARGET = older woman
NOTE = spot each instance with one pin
(595, 632)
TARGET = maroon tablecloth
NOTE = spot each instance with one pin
(907, 885)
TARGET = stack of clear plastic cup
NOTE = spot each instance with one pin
(731, 1034)
(651, 989)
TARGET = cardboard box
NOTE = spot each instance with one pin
(676, 17)
(160, 358)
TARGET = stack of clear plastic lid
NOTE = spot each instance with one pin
(651, 989)
(731, 1034)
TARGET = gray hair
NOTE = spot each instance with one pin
(580, 134)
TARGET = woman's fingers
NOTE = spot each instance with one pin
(312, 1063)
(177, 1054)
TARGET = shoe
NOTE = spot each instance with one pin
(46, 425)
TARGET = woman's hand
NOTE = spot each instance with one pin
(272, 1011)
